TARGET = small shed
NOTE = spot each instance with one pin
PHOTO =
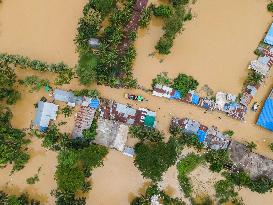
(269, 36)
(67, 97)
(265, 119)
(44, 113)
(129, 151)
(94, 42)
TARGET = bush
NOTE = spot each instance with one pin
(161, 79)
(155, 159)
(184, 167)
(270, 7)
(229, 133)
(7, 83)
(180, 2)
(22, 199)
(90, 134)
(67, 111)
(251, 145)
(146, 133)
(34, 82)
(184, 83)
(163, 11)
(271, 146)
(87, 93)
(164, 45)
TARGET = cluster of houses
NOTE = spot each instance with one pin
(253, 163)
(113, 121)
(211, 137)
(224, 102)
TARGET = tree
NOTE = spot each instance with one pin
(180, 2)
(90, 134)
(184, 83)
(92, 93)
(163, 11)
(270, 7)
(155, 159)
(86, 69)
(162, 79)
(225, 191)
(229, 133)
(145, 17)
(217, 159)
(104, 7)
(146, 133)
(253, 78)
(64, 198)
(7, 82)
(271, 146)
(12, 143)
(164, 45)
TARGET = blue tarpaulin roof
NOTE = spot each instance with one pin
(94, 103)
(269, 36)
(266, 117)
(201, 135)
(176, 95)
(195, 99)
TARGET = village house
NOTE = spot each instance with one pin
(211, 137)
(111, 134)
(254, 164)
(112, 110)
(45, 112)
(265, 119)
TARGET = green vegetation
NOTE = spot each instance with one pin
(202, 200)
(65, 73)
(184, 167)
(185, 139)
(86, 69)
(146, 17)
(184, 84)
(87, 93)
(75, 165)
(251, 146)
(34, 82)
(173, 24)
(67, 111)
(271, 146)
(153, 190)
(253, 78)
(107, 65)
(164, 11)
(23, 199)
(13, 144)
(229, 133)
(225, 191)
(146, 133)
(217, 159)
(162, 79)
(7, 82)
(270, 7)
(91, 133)
(153, 159)
(261, 184)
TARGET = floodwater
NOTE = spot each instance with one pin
(215, 48)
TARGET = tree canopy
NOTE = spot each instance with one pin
(13, 144)
(184, 84)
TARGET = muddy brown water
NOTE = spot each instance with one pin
(215, 48)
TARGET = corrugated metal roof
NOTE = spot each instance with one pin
(45, 112)
(269, 36)
(266, 117)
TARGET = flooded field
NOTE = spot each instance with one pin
(215, 48)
